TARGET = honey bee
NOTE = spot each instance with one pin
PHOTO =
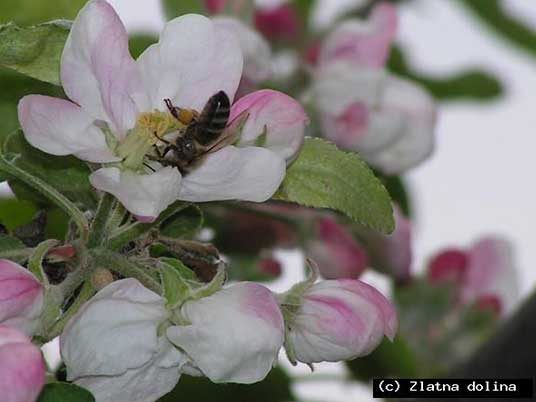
(203, 134)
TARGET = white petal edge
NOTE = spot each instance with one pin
(193, 60)
(60, 127)
(114, 331)
(143, 195)
(248, 174)
(97, 70)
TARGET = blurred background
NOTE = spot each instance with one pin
(478, 180)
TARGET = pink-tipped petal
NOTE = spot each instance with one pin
(193, 60)
(235, 335)
(21, 297)
(362, 43)
(336, 252)
(22, 368)
(143, 195)
(247, 174)
(97, 71)
(60, 127)
(491, 271)
(277, 117)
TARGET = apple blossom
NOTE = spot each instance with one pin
(116, 113)
(234, 335)
(255, 50)
(21, 297)
(484, 274)
(335, 250)
(389, 120)
(22, 368)
(115, 347)
(336, 320)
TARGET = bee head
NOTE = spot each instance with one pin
(185, 149)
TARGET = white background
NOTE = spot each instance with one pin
(480, 179)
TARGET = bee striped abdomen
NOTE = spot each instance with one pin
(213, 119)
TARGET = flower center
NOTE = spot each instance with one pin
(150, 128)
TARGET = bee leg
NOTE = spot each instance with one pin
(148, 166)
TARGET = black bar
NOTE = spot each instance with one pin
(452, 388)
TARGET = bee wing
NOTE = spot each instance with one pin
(231, 134)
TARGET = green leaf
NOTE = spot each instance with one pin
(139, 42)
(34, 51)
(182, 269)
(472, 84)
(390, 359)
(10, 248)
(15, 213)
(396, 187)
(67, 174)
(27, 12)
(325, 177)
(64, 392)
(175, 8)
(14, 86)
(175, 286)
(275, 388)
(183, 224)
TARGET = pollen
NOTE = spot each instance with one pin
(157, 124)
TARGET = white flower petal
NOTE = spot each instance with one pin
(113, 332)
(143, 195)
(275, 114)
(338, 85)
(60, 127)
(415, 138)
(97, 71)
(142, 384)
(236, 333)
(193, 60)
(255, 49)
(248, 174)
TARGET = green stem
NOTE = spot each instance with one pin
(127, 268)
(51, 193)
(35, 263)
(16, 253)
(85, 294)
(128, 233)
(75, 279)
(118, 215)
(98, 226)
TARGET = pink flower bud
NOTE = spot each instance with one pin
(270, 267)
(340, 320)
(362, 43)
(279, 23)
(336, 252)
(448, 266)
(491, 273)
(21, 297)
(215, 6)
(22, 369)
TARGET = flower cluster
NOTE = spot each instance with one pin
(117, 114)
(390, 121)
